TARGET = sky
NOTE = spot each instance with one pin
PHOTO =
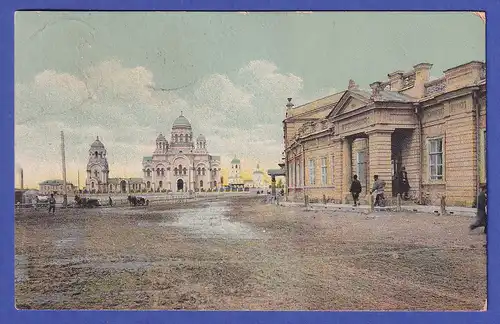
(126, 76)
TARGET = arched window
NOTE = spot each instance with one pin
(92, 185)
(148, 172)
(96, 173)
(175, 171)
(148, 184)
(176, 137)
(184, 171)
(162, 171)
(95, 154)
(201, 183)
(182, 138)
(158, 172)
(100, 154)
(199, 171)
(160, 184)
(203, 171)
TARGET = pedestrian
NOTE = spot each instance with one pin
(378, 191)
(110, 201)
(52, 204)
(355, 190)
(482, 217)
(403, 185)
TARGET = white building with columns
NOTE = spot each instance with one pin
(183, 164)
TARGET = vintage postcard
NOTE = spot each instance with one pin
(250, 160)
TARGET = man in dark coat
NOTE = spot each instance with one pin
(403, 185)
(482, 217)
(355, 190)
(52, 204)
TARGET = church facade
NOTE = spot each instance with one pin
(179, 166)
(184, 164)
(434, 130)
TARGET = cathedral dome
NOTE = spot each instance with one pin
(201, 138)
(235, 161)
(161, 138)
(181, 122)
(97, 144)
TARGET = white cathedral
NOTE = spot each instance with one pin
(180, 165)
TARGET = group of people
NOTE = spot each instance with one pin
(379, 199)
(377, 190)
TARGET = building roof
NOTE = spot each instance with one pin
(394, 96)
(161, 138)
(235, 161)
(97, 144)
(181, 122)
(201, 137)
(54, 183)
(147, 158)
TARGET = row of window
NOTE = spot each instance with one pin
(436, 166)
(178, 171)
(181, 138)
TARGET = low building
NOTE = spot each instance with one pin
(435, 130)
(56, 187)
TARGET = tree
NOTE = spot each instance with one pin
(279, 184)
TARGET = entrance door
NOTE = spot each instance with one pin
(180, 185)
(362, 169)
(123, 186)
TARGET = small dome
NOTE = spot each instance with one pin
(201, 138)
(181, 122)
(235, 161)
(97, 144)
(161, 138)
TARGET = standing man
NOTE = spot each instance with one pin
(404, 185)
(52, 204)
(482, 217)
(355, 190)
(378, 191)
(110, 201)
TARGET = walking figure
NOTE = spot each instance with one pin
(403, 185)
(378, 191)
(355, 190)
(52, 204)
(110, 201)
(482, 217)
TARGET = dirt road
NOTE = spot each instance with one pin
(242, 254)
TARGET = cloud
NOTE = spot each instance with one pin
(240, 116)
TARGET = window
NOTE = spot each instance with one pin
(184, 171)
(148, 184)
(333, 168)
(435, 159)
(203, 171)
(160, 184)
(201, 183)
(175, 171)
(199, 171)
(162, 172)
(176, 137)
(158, 172)
(361, 167)
(299, 174)
(312, 169)
(323, 171)
(148, 172)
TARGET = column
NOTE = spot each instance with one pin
(346, 168)
(191, 179)
(209, 177)
(169, 179)
(153, 179)
(380, 148)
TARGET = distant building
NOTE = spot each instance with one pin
(258, 178)
(55, 187)
(432, 130)
(181, 165)
(235, 173)
(178, 166)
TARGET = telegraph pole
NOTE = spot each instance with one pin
(63, 155)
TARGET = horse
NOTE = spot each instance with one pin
(86, 202)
